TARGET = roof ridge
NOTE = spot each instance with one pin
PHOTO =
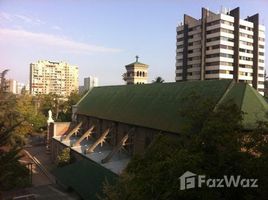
(257, 95)
(230, 86)
(243, 96)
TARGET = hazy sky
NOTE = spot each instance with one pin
(101, 36)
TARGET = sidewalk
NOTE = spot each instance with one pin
(41, 167)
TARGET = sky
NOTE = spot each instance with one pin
(101, 36)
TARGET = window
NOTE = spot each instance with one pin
(226, 47)
(227, 39)
(179, 32)
(225, 55)
(243, 27)
(180, 39)
(217, 30)
(246, 43)
(212, 72)
(227, 23)
(213, 64)
(226, 30)
(213, 23)
(245, 50)
(245, 58)
(245, 66)
(213, 39)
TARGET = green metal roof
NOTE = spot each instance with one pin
(135, 63)
(157, 105)
(251, 102)
(85, 177)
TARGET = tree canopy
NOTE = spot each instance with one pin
(158, 79)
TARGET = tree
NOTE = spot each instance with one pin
(12, 173)
(212, 143)
(66, 108)
(2, 80)
(64, 158)
(158, 80)
(60, 107)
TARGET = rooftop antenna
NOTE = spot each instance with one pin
(221, 9)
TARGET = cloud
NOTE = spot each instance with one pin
(58, 28)
(13, 36)
(5, 16)
(20, 18)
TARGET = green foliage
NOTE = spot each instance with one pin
(66, 111)
(60, 107)
(20, 110)
(212, 144)
(13, 127)
(12, 173)
(64, 158)
(158, 79)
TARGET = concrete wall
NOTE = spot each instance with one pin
(60, 128)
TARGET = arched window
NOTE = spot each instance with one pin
(143, 74)
(138, 73)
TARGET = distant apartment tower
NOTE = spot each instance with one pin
(90, 82)
(221, 46)
(11, 86)
(137, 73)
(53, 77)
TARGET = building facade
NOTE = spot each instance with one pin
(221, 46)
(137, 73)
(53, 77)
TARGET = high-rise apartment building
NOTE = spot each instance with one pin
(11, 86)
(89, 83)
(221, 46)
(53, 77)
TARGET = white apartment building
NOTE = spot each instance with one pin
(53, 77)
(221, 46)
